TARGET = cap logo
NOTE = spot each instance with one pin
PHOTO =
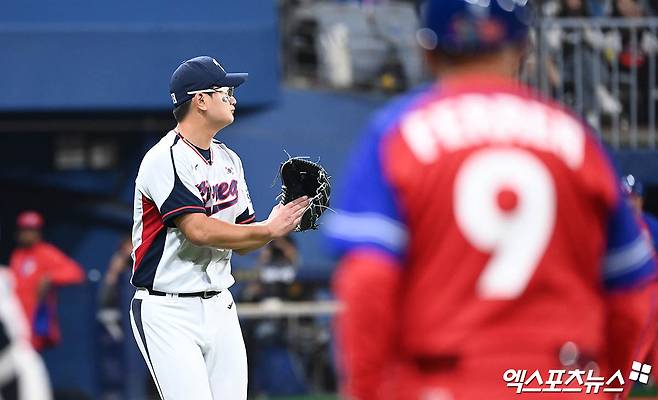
(217, 64)
(173, 98)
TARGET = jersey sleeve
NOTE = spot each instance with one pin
(367, 214)
(62, 270)
(245, 207)
(629, 259)
(167, 181)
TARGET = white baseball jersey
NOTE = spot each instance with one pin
(175, 178)
(21, 368)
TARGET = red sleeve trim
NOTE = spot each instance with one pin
(248, 220)
(183, 208)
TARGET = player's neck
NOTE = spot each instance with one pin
(494, 70)
(199, 135)
(504, 64)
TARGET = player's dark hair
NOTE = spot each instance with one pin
(181, 111)
(459, 59)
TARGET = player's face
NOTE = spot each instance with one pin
(28, 237)
(629, 8)
(637, 202)
(221, 106)
(574, 4)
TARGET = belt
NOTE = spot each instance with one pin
(204, 295)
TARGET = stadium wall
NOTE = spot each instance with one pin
(77, 55)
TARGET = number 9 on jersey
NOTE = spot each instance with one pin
(505, 205)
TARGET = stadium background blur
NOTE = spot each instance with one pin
(84, 95)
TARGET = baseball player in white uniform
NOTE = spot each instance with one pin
(192, 210)
(23, 375)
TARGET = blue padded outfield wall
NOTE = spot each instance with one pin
(119, 55)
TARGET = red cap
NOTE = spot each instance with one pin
(29, 220)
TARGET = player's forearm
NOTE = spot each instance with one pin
(65, 271)
(44, 287)
(366, 284)
(117, 264)
(256, 246)
(210, 232)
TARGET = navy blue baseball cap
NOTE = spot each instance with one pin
(200, 73)
(472, 26)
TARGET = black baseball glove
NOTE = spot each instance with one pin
(301, 177)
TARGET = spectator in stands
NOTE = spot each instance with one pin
(113, 297)
(110, 292)
(276, 271)
(268, 340)
(574, 9)
(633, 54)
(596, 8)
(39, 268)
(650, 7)
(279, 261)
(113, 315)
(599, 8)
(583, 72)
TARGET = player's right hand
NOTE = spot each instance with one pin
(285, 218)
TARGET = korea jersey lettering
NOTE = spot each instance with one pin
(495, 203)
(175, 179)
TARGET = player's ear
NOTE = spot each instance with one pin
(200, 101)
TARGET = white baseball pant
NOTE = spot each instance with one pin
(192, 346)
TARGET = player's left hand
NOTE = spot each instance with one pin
(284, 218)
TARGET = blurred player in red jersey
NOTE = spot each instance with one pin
(482, 229)
(39, 267)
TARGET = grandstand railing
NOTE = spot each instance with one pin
(288, 309)
(306, 332)
(605, 68)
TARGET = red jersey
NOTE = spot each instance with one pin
(505, 216)
(518, 196)
(32, 265)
